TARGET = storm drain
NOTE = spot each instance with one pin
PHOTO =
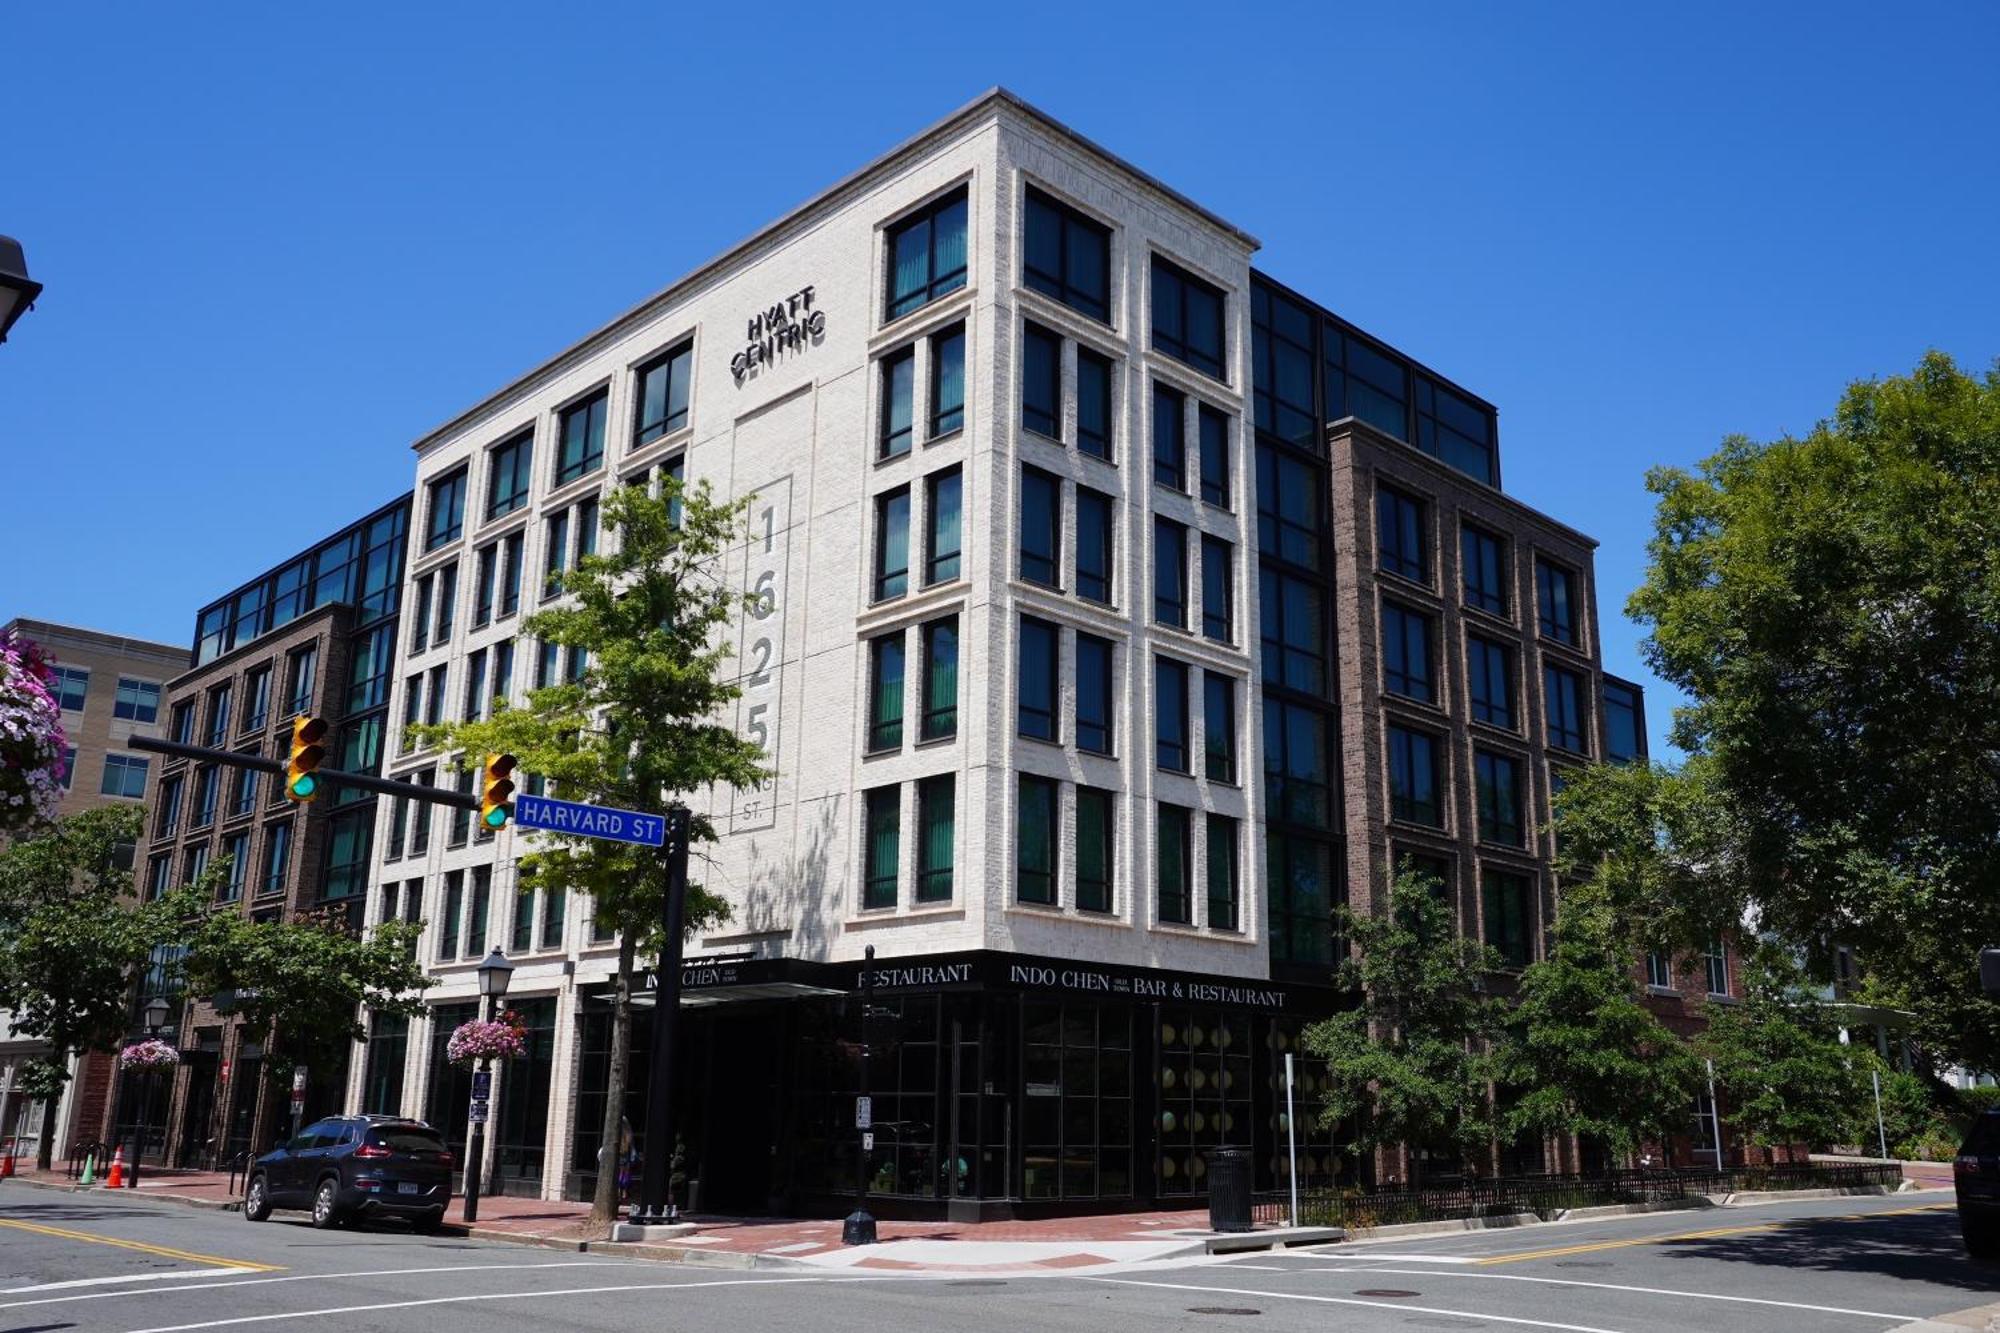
(1388, 1293)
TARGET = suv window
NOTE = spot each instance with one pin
(1984, 1138)
(320, 1134)
(406, 1138)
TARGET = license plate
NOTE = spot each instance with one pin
(407, 1187)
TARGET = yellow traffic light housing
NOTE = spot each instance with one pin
(496, 791)
(301, 772)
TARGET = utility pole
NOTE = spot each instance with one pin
(859, 1228)
(656, 1205)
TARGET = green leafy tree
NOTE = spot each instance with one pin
(74, 942)
(638, 728)
(1412, 1064)
(1779, 1064)
(1831, 606)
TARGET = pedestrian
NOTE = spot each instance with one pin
(626, 1157)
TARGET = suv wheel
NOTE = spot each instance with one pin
(1982, 1239)
(326, 1204)
(256, 1201)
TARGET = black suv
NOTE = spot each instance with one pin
(355, 1165)
(1976, 1173)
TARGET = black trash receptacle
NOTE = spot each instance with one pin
(1229, 1190)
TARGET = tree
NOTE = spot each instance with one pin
(637, 727)
(74, 943)
(1584, 1055)
(31, 737)
(1778, 1058)
(1831, 606)
(1410, 1064)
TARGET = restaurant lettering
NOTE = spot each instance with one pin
(789, 325)
(1145, 988)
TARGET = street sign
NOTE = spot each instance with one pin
(864, 1113)
(590, 821)
(298, 1080)
(479, 1111)
(482, 1084)
(868, 1143)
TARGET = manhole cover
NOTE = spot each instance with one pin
(1222, 1309)
(1394, 1293)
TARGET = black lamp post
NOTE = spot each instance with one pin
(17, 290)
(494, 975)
(655, 1206)
(153, 1020)
(859, 1227)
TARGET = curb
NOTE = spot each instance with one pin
(1980, 1319)
(1395, 1229)
(1634, 1209)
(1775, 1196)
(185, 1200)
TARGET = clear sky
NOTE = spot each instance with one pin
(282, 241)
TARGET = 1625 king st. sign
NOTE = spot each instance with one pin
(780, 329)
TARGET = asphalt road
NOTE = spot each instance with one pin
(92, 1262)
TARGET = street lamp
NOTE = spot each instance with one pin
(17, 290)
(859, 1226)
(153, 1018)
(495, 975)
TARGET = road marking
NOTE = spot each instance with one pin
(311, 1277)
(1711, 1233)
(64, 1233)
(1233, 1267)
(1404, 1306)
(110, 1281)
(1645, 1291)
(1369, 1256)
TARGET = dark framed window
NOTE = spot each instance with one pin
(1035, 841)
(1218, 721)
(511, 549)
(512, 473)
(555, 552)
(1035, 699)
(1293, 629)
(940, 679)
(885, 692)
(257, 699)
(1562, 705)
(1173, 844)
(936, 806)
(1509, 909)
(447, 604)
(1095, 698)
(434, 712)
(1298, 763)
(1498, 780)
(1290, 515)
(1489, 679)
(927, 255)
(1414, 777)
(943, 525)
(884, 833)
(1041, 527)
(1624, 736)
(1402, 536)
(1170, 714)
(1282, 368)
(555, 908)
(475, 686)
(138, 700)
(183, 722)
(485, 584)
(1187, 318)
(1555, 601)
(1455, 429)
(664, 383)
(72, 687)
(1068, 256)
(1170, 573)
(1041, 381)
(1365, 381)
(1715, 962)
(1218, 597)
(277, 857)
(1169, 437)
(587, 525)
(548, 663)
(1094, 830)
(125, 775)
(302, 676)
(1093, 403)
(1407, 654)
(218, 715)
(899, 403)
(1212, 429)
(580, 433)
(167, 818)
(1484, 557)
(947, 381)
(446, 520)
(1094, 558)
(1224, 911)
(892, 543)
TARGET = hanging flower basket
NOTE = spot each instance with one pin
(149, 1054)
(478, 1040)
(32, 742)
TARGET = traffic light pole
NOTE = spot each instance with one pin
(656, 1203)
(415, 791)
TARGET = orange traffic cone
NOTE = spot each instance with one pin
(7, 1161)
(116, 1180)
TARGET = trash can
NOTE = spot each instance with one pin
(1229, 1190)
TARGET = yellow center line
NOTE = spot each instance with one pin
(1523, 1256)
(64, 1233)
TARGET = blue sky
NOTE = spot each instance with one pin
(280, 242)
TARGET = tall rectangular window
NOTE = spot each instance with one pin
(1224, 911)
(1555, 601)
(1093, 403)
(1213, 432)
(548, 663)
(420, 630)
(1035, 841)
(892, 543)
(555, 905)
(936, 812)
(302, 672)
(183, 722)
(1068, 256)
(167, 819)
(125, 775)
(1040, 667)
(475, 686)
(1298, 763)
(1093, 849)
(1187, 318)
(1455, 429)
(943, 525)
(940, 679)
(927, 255)
(479, 905)
(586, 527)
(503, 670)
(580, 431)
(899, 399)
(1293, 630)
(1217, 590)
(1290, 523)
(1169, 437)
(555, 552)
(1218, 721)
(1095, 701)
(447, 604)
(137, 700)
(523, 933)
(1170, 573)
(1622, 733)
(1510, 913)
(1716, 964)
(277, 857)
(1562, 704)
(1093, 545)
(159, 877)
(485, 584)
(257, 700)
(1489, 672)
(947, 381)
(662, 397)
(446, 519)
(245, 800)
(1402, 542)
(453, 916)
(1659, 970)
(1406, 653)
(885, 692)
(1041, 527)
(72, 687)
(510, 472)
(1041, 381)
(218, 715)
(1282, 367)
(1173, 872)
(1498, 779)
(1485, 572)
(510, 581)
(1413, 777)
(1170, 714)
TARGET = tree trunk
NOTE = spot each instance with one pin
(45, 1150)
(604, 1203)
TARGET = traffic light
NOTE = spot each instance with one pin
(496, 791)
(301, 773)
